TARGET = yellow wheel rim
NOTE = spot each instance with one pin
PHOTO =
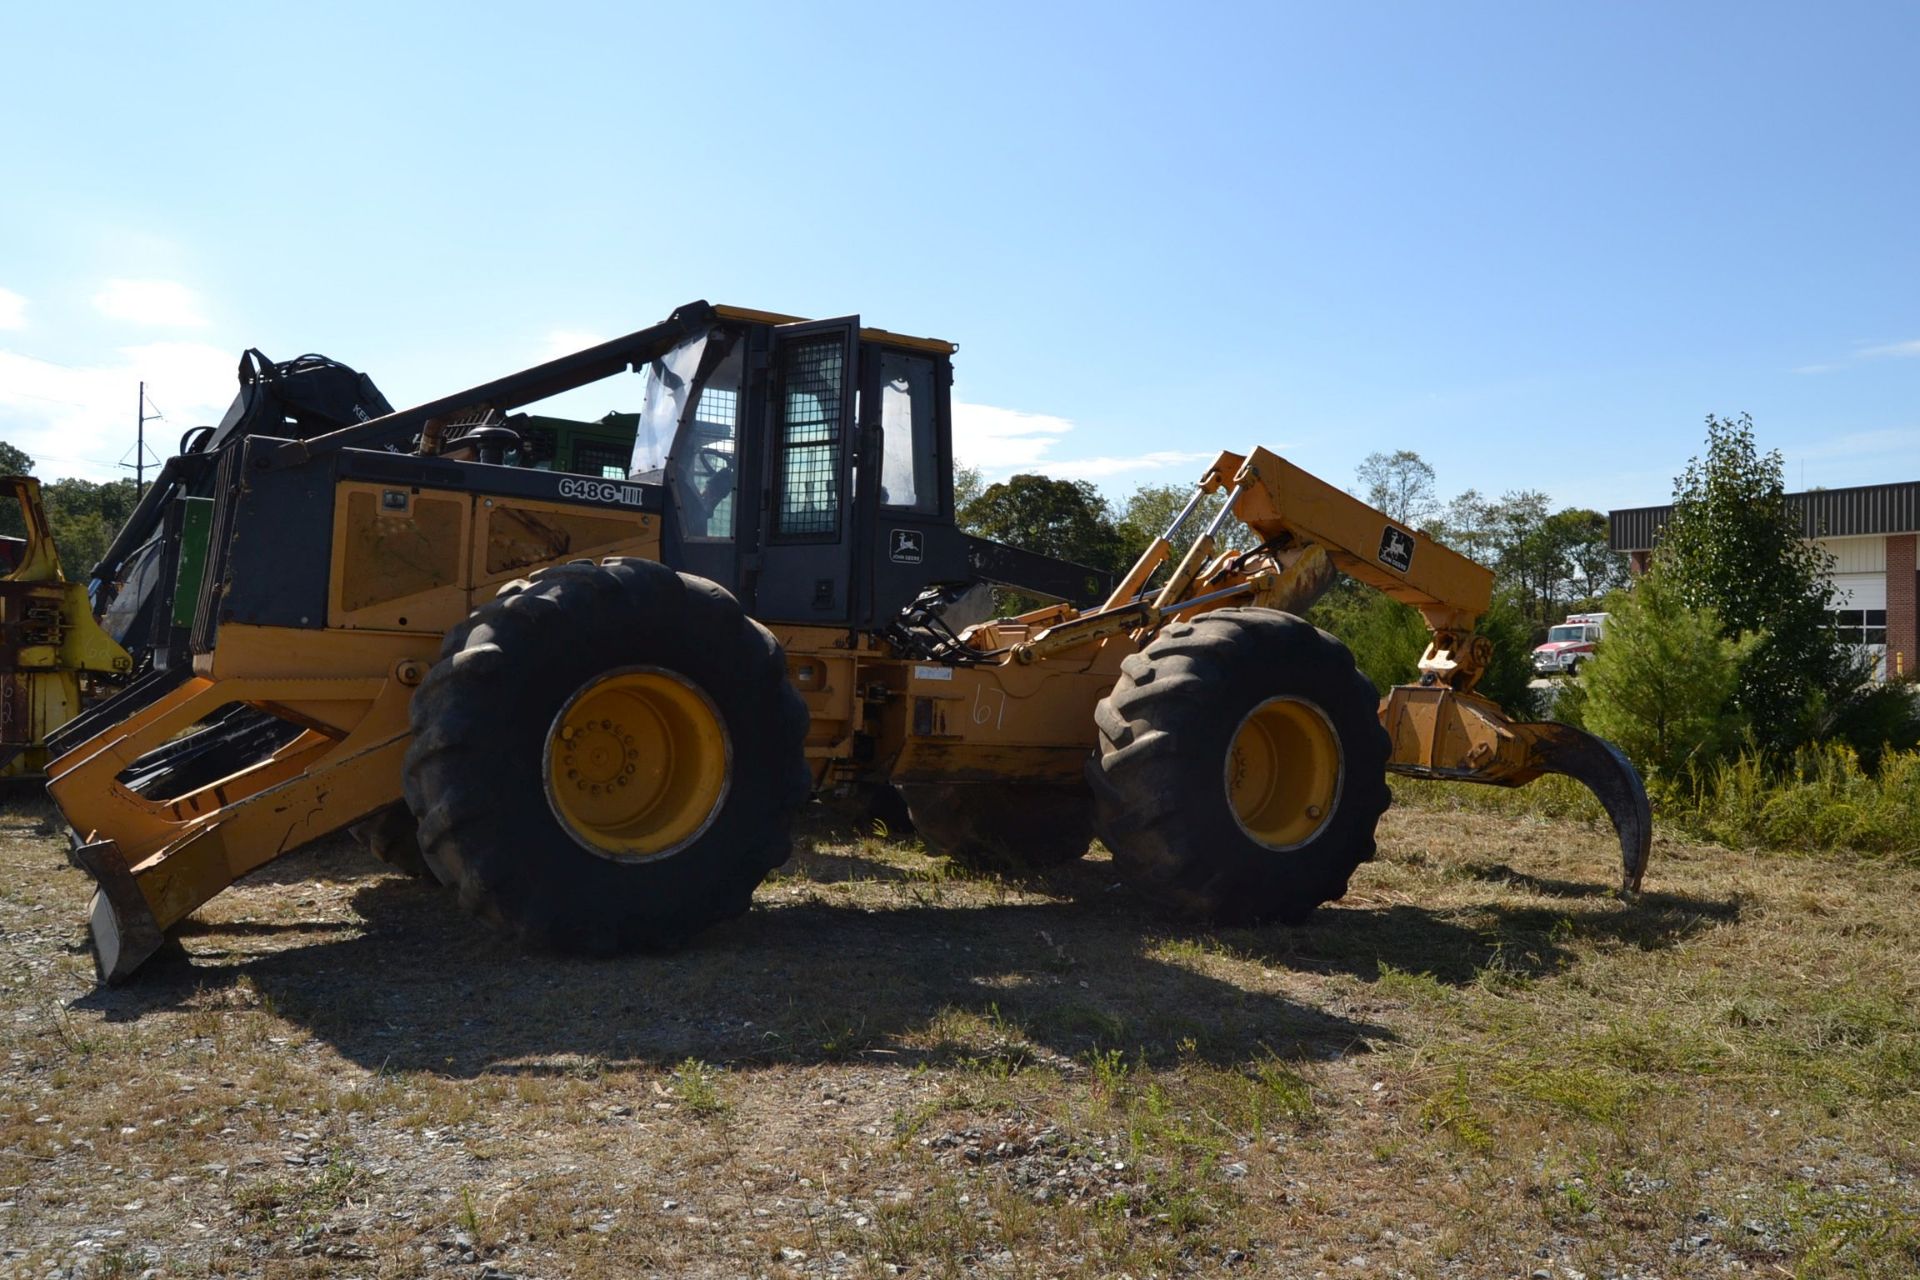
(1283, 772)
(637, 763)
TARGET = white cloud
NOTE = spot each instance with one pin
(164, 304)
(1898, 349)
(13, 310)
(1099, 468)
(79, 421)
(1887, 350)
(1858, 444)
(1002, 441)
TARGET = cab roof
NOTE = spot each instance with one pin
(882, 336)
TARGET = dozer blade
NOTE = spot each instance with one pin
(1461, 737)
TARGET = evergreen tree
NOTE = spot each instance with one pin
(1734, 546)
(1661, 686)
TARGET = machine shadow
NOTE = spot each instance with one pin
(1503, 941)
(424, 987)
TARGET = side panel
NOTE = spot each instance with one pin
(411, 559)
(400, 558)
(516, 534)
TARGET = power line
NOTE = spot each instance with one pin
(139, 464)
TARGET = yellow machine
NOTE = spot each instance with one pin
(49, 642)
(596, 704)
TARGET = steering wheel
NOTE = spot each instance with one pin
(711, 471)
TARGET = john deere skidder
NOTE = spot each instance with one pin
(592, 706)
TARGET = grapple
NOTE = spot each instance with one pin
(1461, 737)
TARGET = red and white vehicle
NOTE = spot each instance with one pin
(1569, 644)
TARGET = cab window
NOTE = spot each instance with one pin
(706, 450)
(907, 433)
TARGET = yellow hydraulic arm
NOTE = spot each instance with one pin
(1308, 529)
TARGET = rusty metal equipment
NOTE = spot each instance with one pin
(50, 646)
(592, 706)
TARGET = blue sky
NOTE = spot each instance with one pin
(1535, 243)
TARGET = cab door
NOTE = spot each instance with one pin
(805, 563)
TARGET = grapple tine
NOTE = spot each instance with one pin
(1462, 737)
(1603, 769)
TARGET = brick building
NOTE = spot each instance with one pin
(1870, 532)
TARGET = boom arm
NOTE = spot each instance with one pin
(1439, 727)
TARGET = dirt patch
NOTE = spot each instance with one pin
(1479, 1063)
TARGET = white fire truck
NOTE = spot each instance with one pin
(1569, 644)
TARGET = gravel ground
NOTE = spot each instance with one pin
(1478, 1064)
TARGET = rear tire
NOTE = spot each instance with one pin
(1001, 826)
(487, 724)
(1172, 797)
(392, 836)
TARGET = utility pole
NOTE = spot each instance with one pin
(139, 464)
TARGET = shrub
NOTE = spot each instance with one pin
(1660, 686)
(1823, 799)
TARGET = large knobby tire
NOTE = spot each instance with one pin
(392, 836)
(489, 774)
(1241, 769)
(1001, 826)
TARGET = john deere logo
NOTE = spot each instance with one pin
(905, 546)
(1396, 549)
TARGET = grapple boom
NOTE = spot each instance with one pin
(1439, 727)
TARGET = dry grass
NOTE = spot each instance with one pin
(1476, 1065)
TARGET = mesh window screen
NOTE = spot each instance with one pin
(596, 458)
(813, 382)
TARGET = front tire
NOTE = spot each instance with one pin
(1242, 768)
(607, 757)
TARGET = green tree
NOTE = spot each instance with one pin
(1466, 524)
(967, 485)
(1149, 509)
(1385, 636)
(1401, 484)
(1734, 546)
(1546, 561)
(1597, 569)
(1387, 639)
(84, 516)
(1661, 686)
(1066, 519)
(13, 462)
